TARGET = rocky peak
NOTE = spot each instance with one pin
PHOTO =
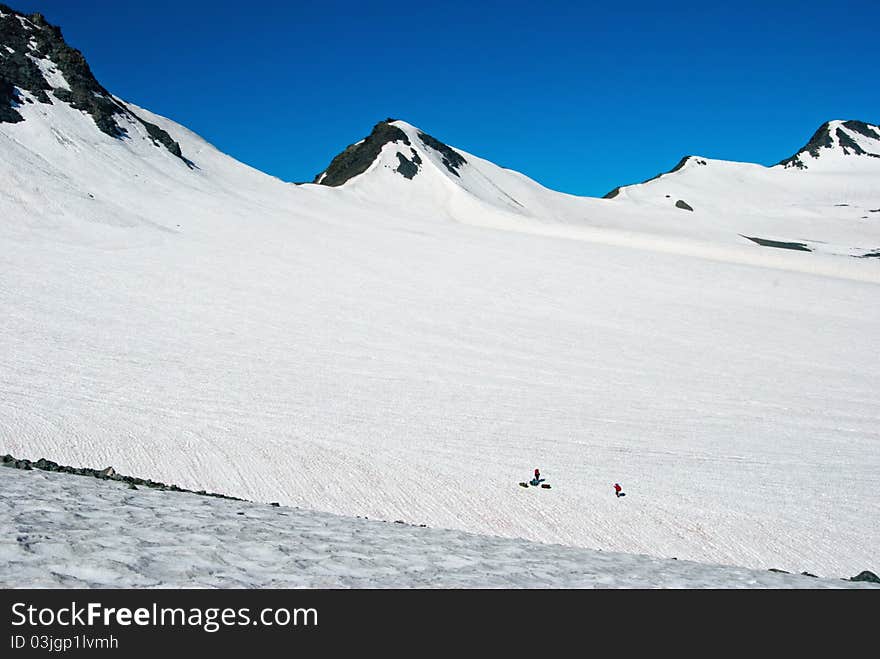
(847, 137)
(452, 159)
(37, 65)
(357, 158)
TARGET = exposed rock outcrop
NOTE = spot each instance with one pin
(35, 58)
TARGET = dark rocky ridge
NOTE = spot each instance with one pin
(357, 158)
(849, 144)
(32, 37)
(822, 139)
(8, 102)
(862, 128)
(613, 193)
(104, 474)
(452, 159)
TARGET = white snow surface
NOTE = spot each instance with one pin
(65, 531)
(413, 349)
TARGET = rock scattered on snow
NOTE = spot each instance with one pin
(866, 575)
(683, 205)
(108, 473)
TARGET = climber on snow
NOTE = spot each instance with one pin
(537, 480)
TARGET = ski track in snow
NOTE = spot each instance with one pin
(63, 531)
(359, 352)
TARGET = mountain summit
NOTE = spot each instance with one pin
(358, 157)
(837, 138)
(831, 142)
(38, 66)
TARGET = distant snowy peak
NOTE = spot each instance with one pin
(38, 66)
(838, 138)
(410, 144)
(692, 161)
(834, 143)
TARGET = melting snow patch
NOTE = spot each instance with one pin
(51, 73)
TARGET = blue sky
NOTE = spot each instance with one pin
(580, 96)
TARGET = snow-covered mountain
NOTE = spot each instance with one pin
(35, 62)
(835, 140)
(824, 198)
(410, 337)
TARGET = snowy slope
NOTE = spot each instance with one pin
(382, 349)
(78, 532)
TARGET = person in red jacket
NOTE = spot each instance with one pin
(617, 491)
(537, 480)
